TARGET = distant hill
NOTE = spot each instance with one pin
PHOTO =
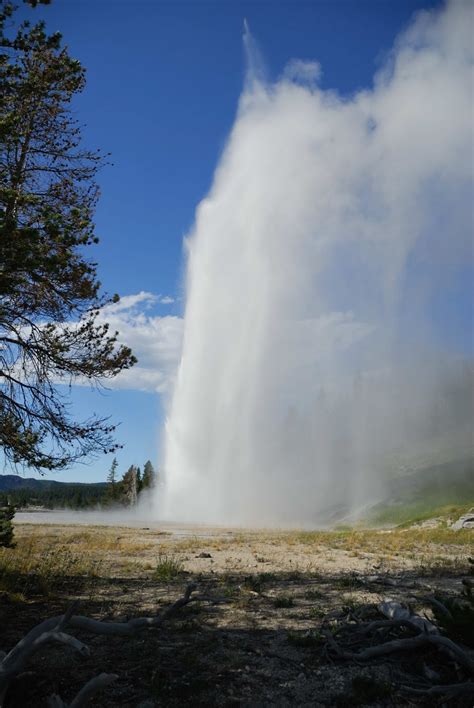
(9, 482)
(24, 492)
(445, 489)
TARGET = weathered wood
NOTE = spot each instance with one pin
(410, 644)
(452, 690)
(14, 662)
(51, 630)
(439, 605)
(89, 690)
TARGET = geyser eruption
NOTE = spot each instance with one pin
(321, 273)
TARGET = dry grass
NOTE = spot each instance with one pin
(35, 567)
(47, 553)
(389, 541)
(276, 593)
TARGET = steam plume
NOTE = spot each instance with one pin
(314, 355)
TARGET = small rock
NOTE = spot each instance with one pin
(464, 522)
(204, 555)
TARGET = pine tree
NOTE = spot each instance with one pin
(50, 301)
(112, 479)
(149, 476)
(6, 527)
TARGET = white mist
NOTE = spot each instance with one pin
(311, 358)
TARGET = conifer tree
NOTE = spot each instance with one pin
(6, 526)
(50, 302)
(112, 478)
(149, 475)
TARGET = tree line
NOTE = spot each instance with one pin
(114, 493)
(126, 491)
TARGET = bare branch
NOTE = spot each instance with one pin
(442, 643)
(455, 690)
(89, 690)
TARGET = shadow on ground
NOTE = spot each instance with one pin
(255, 640)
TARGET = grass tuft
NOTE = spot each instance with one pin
(283, 601)
(168, 567)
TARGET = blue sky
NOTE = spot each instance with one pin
(163, 82)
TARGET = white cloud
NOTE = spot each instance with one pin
(127, 302)
(155, 341)
(165, 300)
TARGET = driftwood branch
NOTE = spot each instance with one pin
(388, 624)
(14, 662)
(439, 605)
(51, 630)
(89, 690)
(123, 629)
(453, 690)
(410, 644)
(394, 611)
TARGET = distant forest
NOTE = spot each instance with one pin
(45, 494)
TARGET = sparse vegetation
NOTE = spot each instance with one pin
(405, 515)
(33, 568)
(283, 601)
(273, 621)
(168, 567)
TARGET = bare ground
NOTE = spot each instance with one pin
(260, 636)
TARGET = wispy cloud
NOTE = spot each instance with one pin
(155, 341)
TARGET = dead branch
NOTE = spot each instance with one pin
(394, 611)
(439, 605)
(180, 602)
(92, 687)
(389, 624)
(13, 663)
(125, 629)
(51, 630)
(410, 644)
(453, 690)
